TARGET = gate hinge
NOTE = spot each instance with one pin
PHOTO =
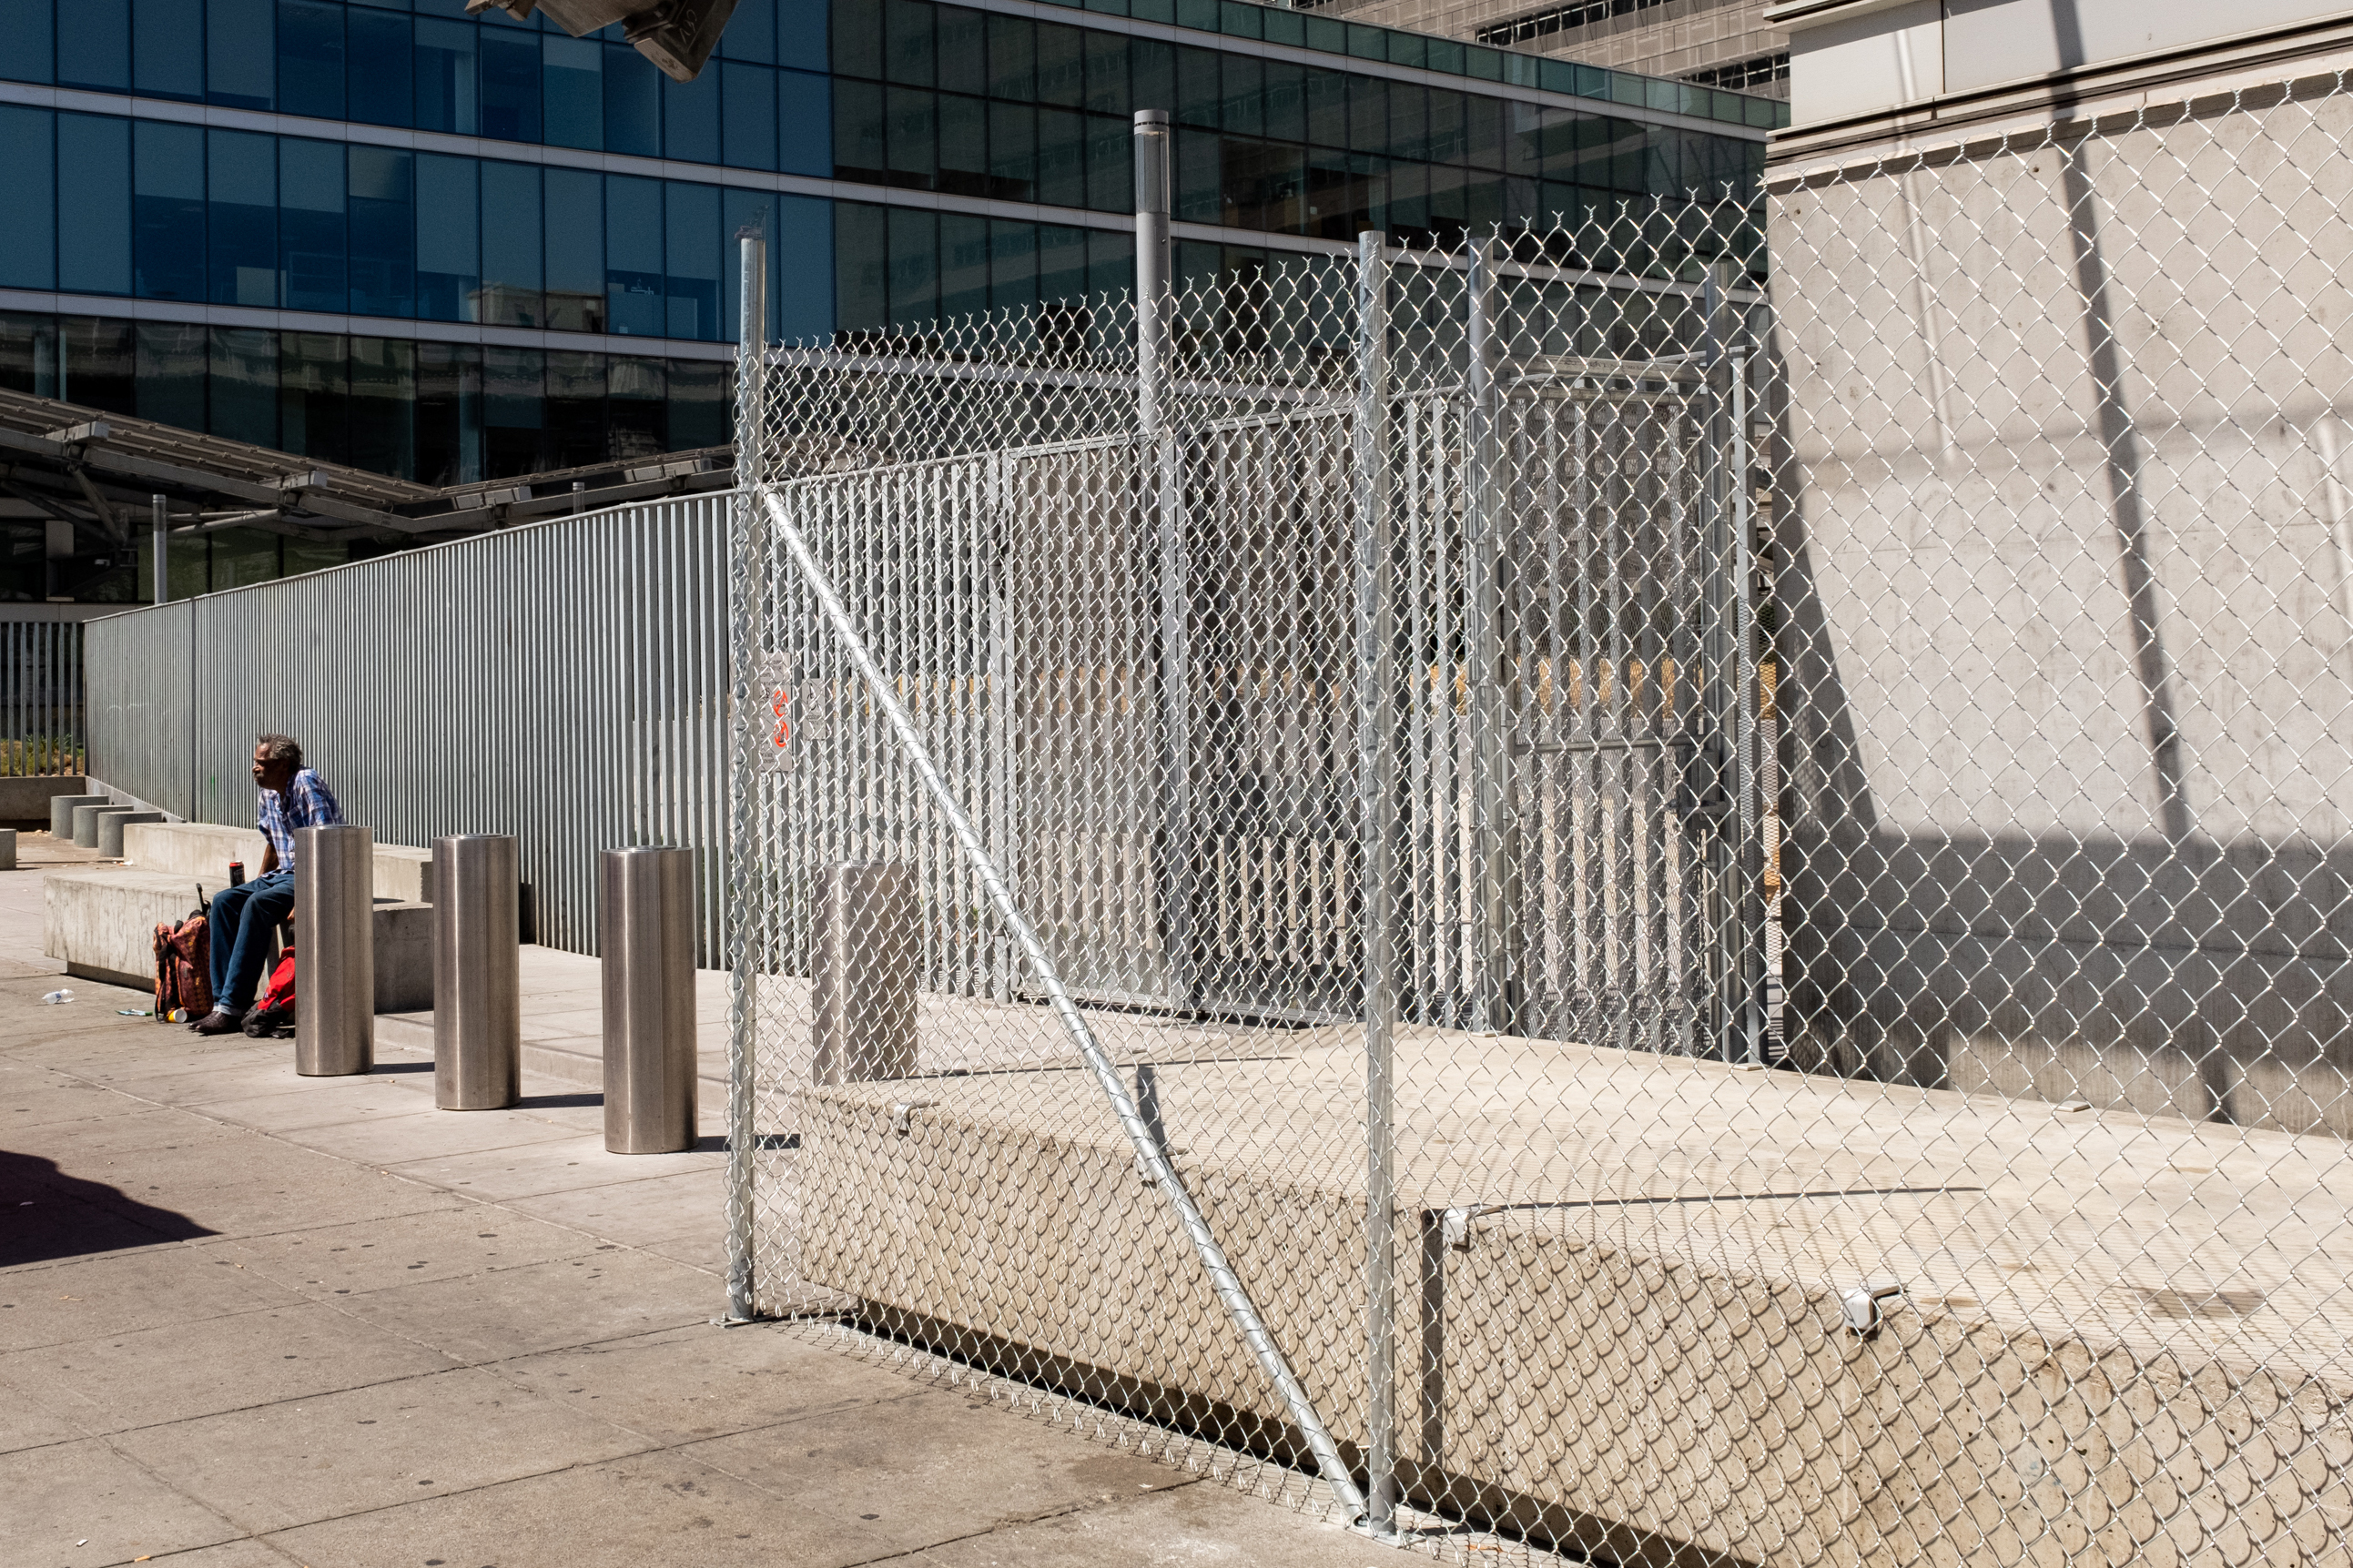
(902, 1110)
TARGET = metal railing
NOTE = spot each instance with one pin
(564, 682)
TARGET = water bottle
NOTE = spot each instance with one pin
(57, 999)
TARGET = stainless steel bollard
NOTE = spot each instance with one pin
(335, 946)
(477, 973)
(645, 923)
(61, 810)
(864, 996)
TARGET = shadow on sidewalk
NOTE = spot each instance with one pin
(47, 1215)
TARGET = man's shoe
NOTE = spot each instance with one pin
(219, 1022)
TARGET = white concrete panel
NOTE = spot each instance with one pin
(1853, 65)
(1988, 42)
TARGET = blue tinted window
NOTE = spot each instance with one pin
(94, 44)
(28, 45)
(914, 267)
(964, 50)
(575, 249)
(692, 258)
(1062, 158)
(513, 380)
(801, 245)
(448, 238)
(908, 42)
(242, 217)
(312, 382)
(167, 48)
(862, 275)
(691, 119)
(748, 95)
(1111, 164)
(1012, 265)
(93, 204)
(510, 85)
(751, 32)
(511, 240)
(1110, 262)
(383, 81)
(445, 77)
(313, 274)
(310, 58)
(913, 135)
(700, 403)
(575, 409)
(242, 399)
(27, 195)
(636, 408)
(632, 102)
(801, 33)
(804, 123)
(1061, 264)
(857, 39)
(572, 84)
(1012, 151)
(964, 146)
(634, 286)
(383, 409)
(170, 370)
(241, 53)
(382, 228)
(964, 266)
(858, 133)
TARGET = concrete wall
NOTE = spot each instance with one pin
(203, 851)
(2070, 648)
(1850, 57)
(26, 801)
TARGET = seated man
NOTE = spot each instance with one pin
(293, 796)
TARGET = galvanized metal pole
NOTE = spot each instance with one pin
(747, 600)
(163, 551)
(1721, 680)
(1376, 813)
(1484, 521)
(1153, 266)
(1750, 859)
(1150, 1156)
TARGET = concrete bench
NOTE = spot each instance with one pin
(201, 851)
(102, 925)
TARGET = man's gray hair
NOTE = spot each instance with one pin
(280, 748)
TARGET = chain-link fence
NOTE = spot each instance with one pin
(1607, 914)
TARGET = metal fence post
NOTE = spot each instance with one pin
(1376, 807)
(163, 550)
(1483, 523)
(747, 597)
(1154, 259)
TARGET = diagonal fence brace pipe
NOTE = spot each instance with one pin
(1148, 1153)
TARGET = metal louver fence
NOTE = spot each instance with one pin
(1607, 912)
(40, 698)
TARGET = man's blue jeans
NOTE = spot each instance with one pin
(242, 918)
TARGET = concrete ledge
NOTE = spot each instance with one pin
(1633, 1342)
(102, 925)
(25, 802)
(202, 850)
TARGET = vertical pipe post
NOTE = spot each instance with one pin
(477, 973)
(747, 599)
(1152, 270)
(1493, 922)
(1376, 814)
(1720, 677)
(1750, 887)
(163, 550)
(335, 932)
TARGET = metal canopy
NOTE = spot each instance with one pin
(100, 471)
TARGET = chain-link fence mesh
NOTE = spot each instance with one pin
(1610, 914)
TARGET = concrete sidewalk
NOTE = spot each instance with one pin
(248, 1319)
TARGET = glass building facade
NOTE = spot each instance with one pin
(454, 248)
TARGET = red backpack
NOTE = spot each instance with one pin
(183, 987)
(275, 1011)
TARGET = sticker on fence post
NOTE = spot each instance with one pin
(775, 715)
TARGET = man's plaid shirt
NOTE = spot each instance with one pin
(307, 803)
